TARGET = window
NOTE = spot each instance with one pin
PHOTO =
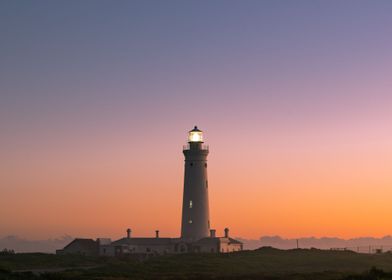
(190, 221)
(206, 184)
(205, 165)
(191, 164)
(190, 204)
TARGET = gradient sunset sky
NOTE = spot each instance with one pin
(294, 98)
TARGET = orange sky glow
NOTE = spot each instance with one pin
(97, 98)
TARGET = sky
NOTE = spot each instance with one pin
(97, 97)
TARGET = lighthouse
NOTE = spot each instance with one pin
(195, 210)
(196, 235)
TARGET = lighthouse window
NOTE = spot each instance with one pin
(205, 165)
(190, 221)
(191, 164)
(206, 184)
(190, 204)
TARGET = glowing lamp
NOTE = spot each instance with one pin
(195, 135)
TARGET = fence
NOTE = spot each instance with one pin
(371, 249)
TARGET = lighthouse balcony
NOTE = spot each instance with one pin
(195, 146)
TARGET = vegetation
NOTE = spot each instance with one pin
(265, 263)
(6, 252)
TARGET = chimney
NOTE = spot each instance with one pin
(129, 233)
(157, 234)
(226, 232)
(212, 233)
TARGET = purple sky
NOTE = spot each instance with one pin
(105, 86)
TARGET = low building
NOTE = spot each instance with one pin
(215, 244)
(152, 246)
(81, 246)
(105, 247)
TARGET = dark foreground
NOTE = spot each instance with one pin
(265, 263)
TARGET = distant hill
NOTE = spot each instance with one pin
(321, 243)
(21, 245)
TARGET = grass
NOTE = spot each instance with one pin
(25, 261)
(265, 263)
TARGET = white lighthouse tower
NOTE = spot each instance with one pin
(195, 210)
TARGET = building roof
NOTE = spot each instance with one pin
(142, 241)
(219, 239)
(165, 241)
(235, 241)
(195, 129)
(85, 243)
(208, 240)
